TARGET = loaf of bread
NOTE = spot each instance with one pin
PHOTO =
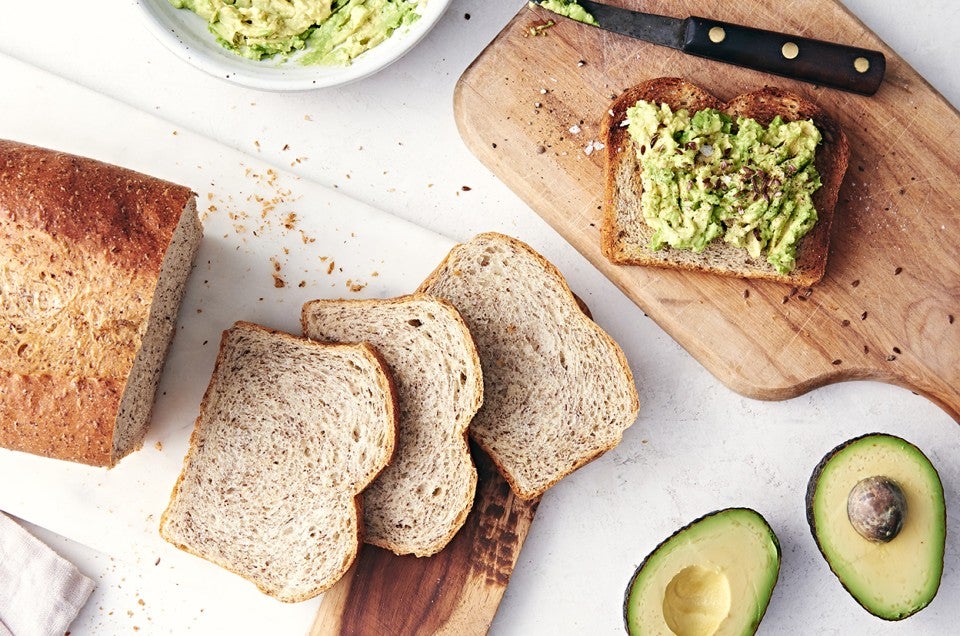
(94, 260)
(421, 500)
(290, 432)
(558, 391)
(625, 236)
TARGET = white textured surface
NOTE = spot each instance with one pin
(390, 141)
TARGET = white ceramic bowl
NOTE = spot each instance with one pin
(186, 35)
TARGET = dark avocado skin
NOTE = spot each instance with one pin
(811, 489)
(636, 572)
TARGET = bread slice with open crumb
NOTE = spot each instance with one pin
(625, 236)
(290, 433)
(558, 391)
(419, 502)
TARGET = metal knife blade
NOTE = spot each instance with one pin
(816, 61)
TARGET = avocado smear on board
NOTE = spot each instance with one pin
(708, 177)
(570, 9)
(330, 32)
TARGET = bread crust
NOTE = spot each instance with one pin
(66, 221)
(625, 243)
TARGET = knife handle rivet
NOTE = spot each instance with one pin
(717, 34)
(861, 64)
(790, 50)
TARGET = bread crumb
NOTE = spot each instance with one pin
(355, 286)
(331, 267)
(278, 282)
(158, 445)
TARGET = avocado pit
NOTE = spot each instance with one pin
(876, 508)
(696, 601)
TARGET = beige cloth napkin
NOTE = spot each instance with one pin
(40, 591)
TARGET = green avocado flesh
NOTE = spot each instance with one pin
(570, 9)
(895, 578)
(707, 177)
(714, 576)
(329, 32)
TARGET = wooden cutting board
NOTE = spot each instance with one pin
(530, 108)
(454, 592)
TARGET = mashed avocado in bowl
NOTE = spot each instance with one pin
(327, 31)
(290, 45)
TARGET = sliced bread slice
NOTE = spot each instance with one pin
(625, 236)
(558, 391)
(417, 504)
(290, 432)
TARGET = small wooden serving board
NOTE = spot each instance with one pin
(888, 309)
(454, 592)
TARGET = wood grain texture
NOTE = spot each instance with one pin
(888, 309)
(456, 591)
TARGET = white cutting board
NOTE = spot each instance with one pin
(334, 247)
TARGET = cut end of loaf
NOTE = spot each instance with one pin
(136, 405)
(289, 434)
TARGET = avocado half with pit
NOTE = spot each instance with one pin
(876, 510)
(714, 576)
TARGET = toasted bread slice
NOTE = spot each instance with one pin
(558, 391)
(290, 432)
(625, 236)
(420, 501)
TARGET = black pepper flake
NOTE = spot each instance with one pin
(466, 188)
(494, 144)
(950, 318)
(897, 350)
(855, 283)
(466, 16)
(836, 362)
(807, 293)
(866, 349)
(746, 293)
(845, 323)
(157, 562)
(863, 316)
(891, 358)
(897, 271)
(784, 301)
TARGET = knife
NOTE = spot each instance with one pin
(836, 65)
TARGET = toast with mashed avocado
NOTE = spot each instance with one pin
(745, 188)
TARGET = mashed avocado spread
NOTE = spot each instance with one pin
(568, 8)
(708, 177)
(329, 32)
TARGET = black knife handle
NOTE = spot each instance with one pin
(844, 67)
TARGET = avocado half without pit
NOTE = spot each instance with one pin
(714, 576)
(876, 510)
